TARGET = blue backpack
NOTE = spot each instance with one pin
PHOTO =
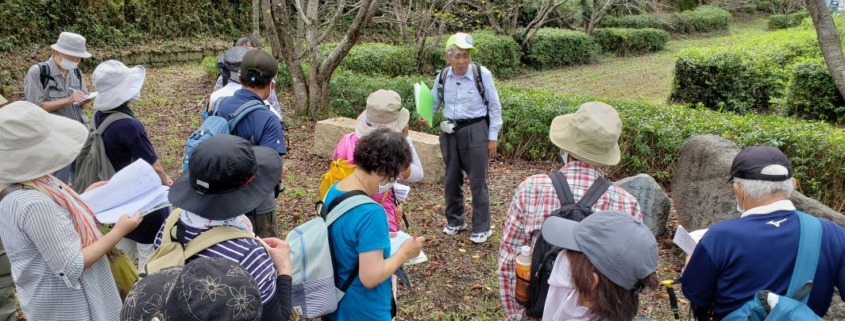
(794, 306)
(217, 125)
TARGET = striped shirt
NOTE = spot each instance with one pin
(47, 263)
(534, 200)
(60, 87)
(249, 253)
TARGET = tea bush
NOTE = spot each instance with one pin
(639, 21)
(812, 93)
(783, 21)
(624, 42)
(702, 19)
(379, 58)
(552, 47)
(652, 137)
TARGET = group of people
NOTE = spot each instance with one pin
(55, 250)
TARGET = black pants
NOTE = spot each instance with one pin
(465, 150)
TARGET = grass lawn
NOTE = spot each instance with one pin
(647, 77)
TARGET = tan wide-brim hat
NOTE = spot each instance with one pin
(384, 110)
(590, 135)
(35, 143)
(116, 84)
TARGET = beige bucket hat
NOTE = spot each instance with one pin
(71, 44)
(590, 135)
(35, 143)
(384, 110)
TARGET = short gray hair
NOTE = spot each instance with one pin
(758, 190)
(453, 48)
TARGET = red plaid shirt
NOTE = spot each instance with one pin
(533, 201)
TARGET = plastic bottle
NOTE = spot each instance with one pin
(523, 275)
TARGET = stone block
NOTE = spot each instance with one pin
(329, 131)
(653, 201)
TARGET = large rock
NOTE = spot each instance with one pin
(653, 201)
(328, 132)
(700, 190)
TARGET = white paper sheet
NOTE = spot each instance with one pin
(688, 240)
(396, 242)
(135, 187)
(401, 191)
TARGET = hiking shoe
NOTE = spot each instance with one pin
(452, 230)
(479, 238)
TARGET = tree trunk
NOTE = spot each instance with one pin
(829, 41)
(256, 13)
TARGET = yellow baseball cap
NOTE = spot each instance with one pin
(463, 41)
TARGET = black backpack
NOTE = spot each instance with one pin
(479, 85)
(45, 77)
(543, 258)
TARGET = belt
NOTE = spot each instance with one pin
(466, 122)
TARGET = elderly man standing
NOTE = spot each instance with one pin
(738, 257)
(468, 135)
(56, 85)
(588, 140)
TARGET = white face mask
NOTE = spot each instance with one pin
(384, 188)
(565, 157)
(67, 64)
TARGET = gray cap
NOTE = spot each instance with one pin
(618, 245)
(232, 60)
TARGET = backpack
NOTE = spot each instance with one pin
(174, 251)
(476, 70)
(45, 77)
(217, 125)
(225, 73)
(313, 290)
(338, 170)
(544, 254)
(92, 164)
(794, 306)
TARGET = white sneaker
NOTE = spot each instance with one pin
(452, 230)
(479, 238)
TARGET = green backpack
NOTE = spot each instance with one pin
(92, 164)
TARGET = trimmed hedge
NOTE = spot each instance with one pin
(501, 54)
(812, 93)
(743, 77)
(652, 137)
(783, 21)
(624, 42)
(379, 58)
(553, 47)
(639, 21)
(702, 19)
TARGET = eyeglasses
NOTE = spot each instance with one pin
(460, 56)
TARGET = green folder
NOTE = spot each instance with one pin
(425, 102)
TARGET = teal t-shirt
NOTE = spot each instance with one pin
(362, 229)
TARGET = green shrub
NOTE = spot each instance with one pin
(378, 58)
(625, 42)
(640, 21)
(501, 54)
(702, 19)
(741, 77)
(652, 137)
(552, 47)
(812, 93)
(783, 21)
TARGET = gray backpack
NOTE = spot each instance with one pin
(92, 164)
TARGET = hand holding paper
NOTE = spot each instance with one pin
(136, 187)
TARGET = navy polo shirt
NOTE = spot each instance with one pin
(736, 258)
(260, 127)
(126, 141)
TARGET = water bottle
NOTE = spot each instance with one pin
(523, 275)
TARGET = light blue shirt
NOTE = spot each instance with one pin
(464, 102)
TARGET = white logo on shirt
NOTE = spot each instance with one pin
(776, 224)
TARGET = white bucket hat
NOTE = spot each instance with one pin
(116, 84)
(591, 134)
(71, 44)
(35, 143)
(384, 110)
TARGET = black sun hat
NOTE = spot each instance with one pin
(226, 177)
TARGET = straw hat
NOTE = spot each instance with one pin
(35, 143)
(384, 110)
(591, 134)
(116, 84)
(71, 44)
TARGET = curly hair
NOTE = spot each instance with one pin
(608, 301)
(383, 152)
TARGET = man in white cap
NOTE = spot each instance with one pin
(56, 85)
(588, 141)
(468, 135)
